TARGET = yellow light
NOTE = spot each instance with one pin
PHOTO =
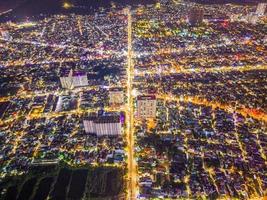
(67, 5)
(157, 5)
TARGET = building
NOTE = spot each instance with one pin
(70, 79)
(195, 16)
(253, 18)
(109, 125)
(261, 9)
(146, 106)
(79, 79)
(5, 34)
(66, 79)
(116, 96)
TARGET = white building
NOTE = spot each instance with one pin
(66, 80)
(103, 125)
(71, 79)
(253, 18)
(116, 96)
(146, 106)
(5, 34)
(261, 9)
(79, 79)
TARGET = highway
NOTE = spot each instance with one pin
(132, 171)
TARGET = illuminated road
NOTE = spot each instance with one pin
(191, 48)
(51, 60)
(79, 25)
(256, 114)
(77, 111)
(58, 46)
(27, 95)
(205, 70)
(132, 174)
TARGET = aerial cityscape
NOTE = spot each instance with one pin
(161, 99)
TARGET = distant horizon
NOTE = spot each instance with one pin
(19, 10)
(13, 3)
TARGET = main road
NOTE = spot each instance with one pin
(132, 171)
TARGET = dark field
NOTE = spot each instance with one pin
(11, 193)
(27, 189)
(65, 183)
(78, 183)
(61, 185)
(43, 188)
(105, 182)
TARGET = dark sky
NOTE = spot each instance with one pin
(7, 4)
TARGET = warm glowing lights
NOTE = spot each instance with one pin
(26, 24)
(67, 5)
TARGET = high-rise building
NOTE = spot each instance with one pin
(195, 16)
(261, 9)
(70, 79)
(146, 106)
(116, 96)
(109, 125)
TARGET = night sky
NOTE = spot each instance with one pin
(26, 8)
(6, 4)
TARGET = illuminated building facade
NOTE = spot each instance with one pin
(261, 9)
(70, 79)
(5, 34)
(79, 79)
(66, 80)
(146, 106)
(116, 96)
(253, 18)
(103, 125)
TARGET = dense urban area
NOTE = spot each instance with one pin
(158, 101)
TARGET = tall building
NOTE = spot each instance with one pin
(146, 106)
(109, 125)
(70, 79)
(195, 16)
(116, 96)
(261, 9)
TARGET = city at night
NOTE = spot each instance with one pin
(133, 99)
